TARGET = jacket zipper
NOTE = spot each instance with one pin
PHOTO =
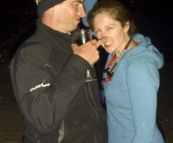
(93, 102)
(95, 140)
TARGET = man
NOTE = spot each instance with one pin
(48, 77)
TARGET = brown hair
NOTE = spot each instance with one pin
(116, 11)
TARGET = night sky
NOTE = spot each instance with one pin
(153, 18)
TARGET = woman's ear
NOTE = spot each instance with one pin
(127, 26)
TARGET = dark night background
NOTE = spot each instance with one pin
(153, 18)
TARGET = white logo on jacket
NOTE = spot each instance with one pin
(37, 1)
(38, 86)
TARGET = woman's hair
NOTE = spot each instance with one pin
(116, 10)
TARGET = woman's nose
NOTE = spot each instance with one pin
(103, 35)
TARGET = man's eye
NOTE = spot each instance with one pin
(76, 4)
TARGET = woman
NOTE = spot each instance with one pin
(131, 77)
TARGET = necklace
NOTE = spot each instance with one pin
(113, 63)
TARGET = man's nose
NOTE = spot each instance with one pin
(82, 12)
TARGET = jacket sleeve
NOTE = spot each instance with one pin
(143, 84)
(43, 97)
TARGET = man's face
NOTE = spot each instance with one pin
(67, 15)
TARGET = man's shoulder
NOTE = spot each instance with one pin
(33, 47)
(34, 43)
(36, 40)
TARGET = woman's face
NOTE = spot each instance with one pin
(105, 26)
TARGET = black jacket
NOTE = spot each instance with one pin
(48, 83)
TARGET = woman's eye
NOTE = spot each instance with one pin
(109, 28)
(96, 31)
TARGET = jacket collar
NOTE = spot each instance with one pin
(52, 36)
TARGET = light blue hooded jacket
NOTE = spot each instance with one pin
(131, 96)
(88, 5)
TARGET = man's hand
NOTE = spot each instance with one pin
(88, 51)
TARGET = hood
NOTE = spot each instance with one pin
(145, 49)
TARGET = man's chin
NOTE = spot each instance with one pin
(73, 28)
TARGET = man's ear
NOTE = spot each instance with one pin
(47, 14)
(51, 10)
